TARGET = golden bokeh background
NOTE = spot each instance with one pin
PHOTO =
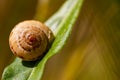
(91, 53)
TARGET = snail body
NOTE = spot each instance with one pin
(29, 40)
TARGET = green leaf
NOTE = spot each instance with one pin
(61, 23)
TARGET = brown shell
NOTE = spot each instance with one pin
(30, 39)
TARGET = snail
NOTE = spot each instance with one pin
(30, 39)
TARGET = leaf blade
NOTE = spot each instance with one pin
(62, 28)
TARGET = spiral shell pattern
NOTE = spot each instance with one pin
(29, 40)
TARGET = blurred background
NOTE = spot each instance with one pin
(93, 49)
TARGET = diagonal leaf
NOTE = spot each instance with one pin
(61, 23)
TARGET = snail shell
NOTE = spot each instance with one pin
(30, 39)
